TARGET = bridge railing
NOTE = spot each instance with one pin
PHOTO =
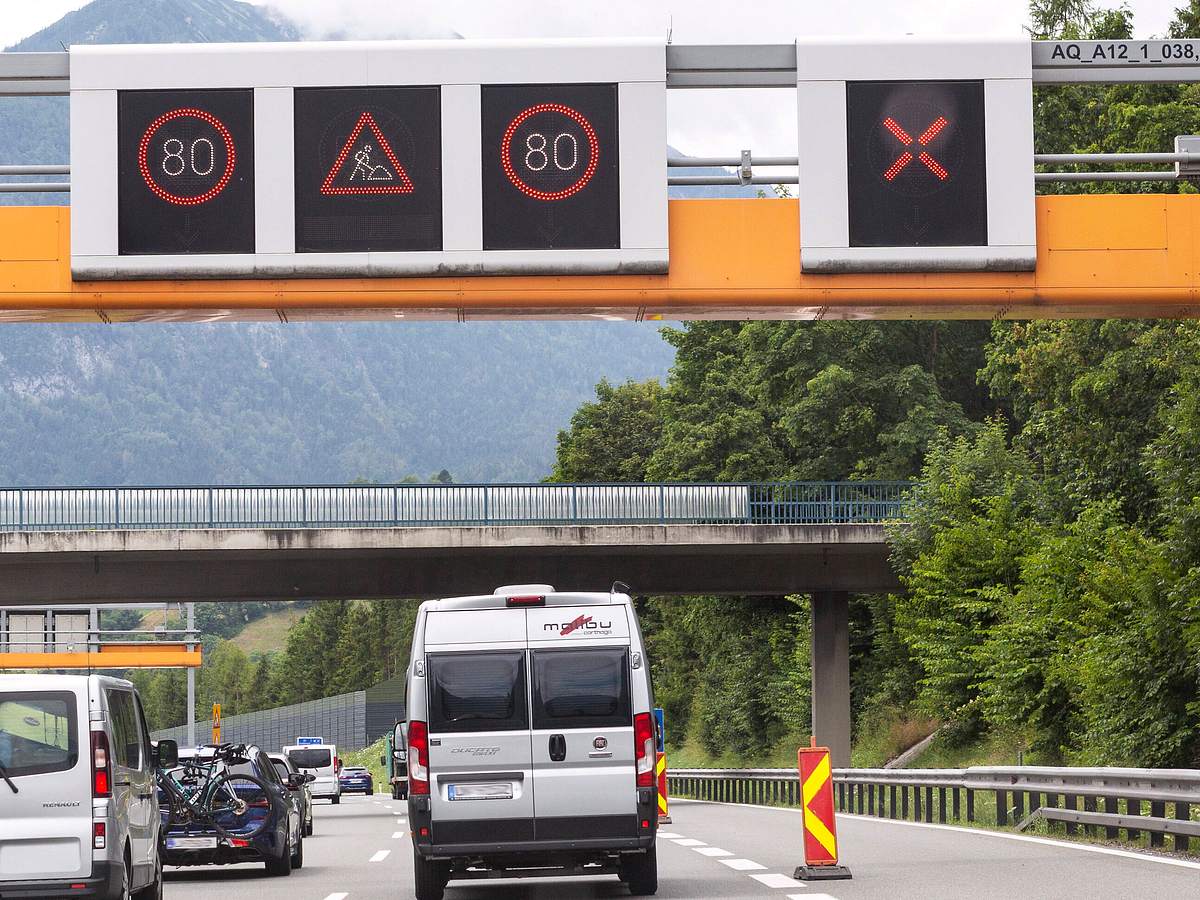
(1016, 796)
(396, 505)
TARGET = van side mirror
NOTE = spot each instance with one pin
(166, 754)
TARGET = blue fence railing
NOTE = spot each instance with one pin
(394, 505)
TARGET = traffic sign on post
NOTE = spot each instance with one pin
(381, 158)
(216, 723)
(916, 156)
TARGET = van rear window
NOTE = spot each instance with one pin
(311, 759)
(581, 689)
(39, 732)
(477, 692)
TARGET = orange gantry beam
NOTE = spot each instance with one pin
(143, 655)
(1131, 255)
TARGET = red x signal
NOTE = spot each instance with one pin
(913, 148)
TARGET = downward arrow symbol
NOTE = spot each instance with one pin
(190, 232)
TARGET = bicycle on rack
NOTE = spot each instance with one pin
(206, 790)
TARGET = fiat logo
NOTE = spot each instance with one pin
(600, 743)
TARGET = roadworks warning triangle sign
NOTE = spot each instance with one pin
(366, 164)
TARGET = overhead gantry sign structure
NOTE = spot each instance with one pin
(466, 180)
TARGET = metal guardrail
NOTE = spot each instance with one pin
(339, 506)
(909, 794)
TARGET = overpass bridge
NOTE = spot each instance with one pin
(109, 545)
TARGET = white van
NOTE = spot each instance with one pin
(531, 739)
(321, 761)
(78, 805)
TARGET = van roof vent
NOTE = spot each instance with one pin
(508, 590)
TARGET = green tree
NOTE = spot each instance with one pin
(613, 438)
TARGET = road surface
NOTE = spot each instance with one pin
(361, 850)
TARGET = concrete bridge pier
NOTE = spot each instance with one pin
(831, 674)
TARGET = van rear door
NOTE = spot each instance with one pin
(45, 828)
(480, 760)
(583, 754)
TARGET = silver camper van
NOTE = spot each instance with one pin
(78, 809)
(531, 739)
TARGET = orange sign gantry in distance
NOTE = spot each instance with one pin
(1111, 255)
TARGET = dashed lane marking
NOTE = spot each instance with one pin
(380, 855)
(399, 821)
(688, 842)
(811, 897)
(396, 835)
(741, 865)
(669, 835)
(341, 896)
(775, 880)
(712, 851)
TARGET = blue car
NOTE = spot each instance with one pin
(356, 778)
(268, 828)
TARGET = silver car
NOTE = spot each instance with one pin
(531, 739)
(301, 794)
(79, 811)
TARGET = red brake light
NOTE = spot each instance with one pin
(418, 758)
(101, 771)
(527, 600)
(643, 746)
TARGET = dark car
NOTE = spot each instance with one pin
(270, 831)
(356, 778)
(301, 794)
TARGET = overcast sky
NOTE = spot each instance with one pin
(700, 123)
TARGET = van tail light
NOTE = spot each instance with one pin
(99, 835)
(101, 768)
(526, 600)
(643, 745)
(418, 758)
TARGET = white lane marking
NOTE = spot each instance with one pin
(741, 865)
(811, 897)
(669, 835)
(341, 896)
(977, 832)
(775, 880)
(396, 835)
(399, 821)
(688, 842)
(380, 855)
(712, 851)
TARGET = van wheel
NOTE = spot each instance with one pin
(640, 872)
(154, 890)
(308, 828)
(298, 856)
(336, 800)
(396, 792)
(282, 865)
(429, 877)
(123, 890)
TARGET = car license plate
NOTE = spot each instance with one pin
(480, 792)
(192, 843)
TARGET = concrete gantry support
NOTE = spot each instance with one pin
(831, 674)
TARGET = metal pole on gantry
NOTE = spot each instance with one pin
(191, 677)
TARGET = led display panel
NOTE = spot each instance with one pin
(551, 177)
(917, 174)
(368, 169)
(185, 171)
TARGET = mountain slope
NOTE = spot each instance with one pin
(301, 403)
